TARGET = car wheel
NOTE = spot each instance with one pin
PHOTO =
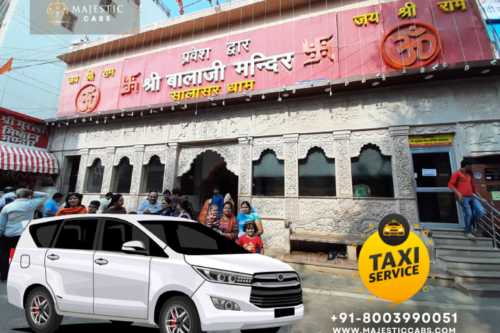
(179, 314)
(262, 330)
(118, 323)
(41, 312)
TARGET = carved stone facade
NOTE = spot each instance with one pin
(340, 126)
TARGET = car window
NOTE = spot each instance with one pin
(192, 238)
(394, 224)
(44, 233)
(117, 233)
(77, 235)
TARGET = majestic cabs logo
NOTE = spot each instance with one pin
(87, 99)
(410, 45)
(394, 263)
(57, 13)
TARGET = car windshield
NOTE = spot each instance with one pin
(394, 224)
(192, 238)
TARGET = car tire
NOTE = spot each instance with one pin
(41, 312)
(262, 330)
(118, 323)
(183, 308)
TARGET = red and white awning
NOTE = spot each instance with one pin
(27, 160)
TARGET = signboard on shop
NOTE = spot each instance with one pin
(491, 9)
(377, 39)
(430, 140)
(19, 131)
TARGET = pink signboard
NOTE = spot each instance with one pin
(340, 45)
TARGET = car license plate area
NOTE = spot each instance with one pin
(278, 313)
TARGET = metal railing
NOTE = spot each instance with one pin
(490, 223)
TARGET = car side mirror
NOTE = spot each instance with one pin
(134, 247)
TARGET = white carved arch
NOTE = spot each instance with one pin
(124, 152)
(230, 154)
(118, 160)
(259, 150)
(93, 158)
(150, 154)
(383, 144)
(327, 148)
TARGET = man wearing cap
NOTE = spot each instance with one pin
(461, 183)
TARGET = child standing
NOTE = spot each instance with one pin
(213, 218)
(250, 242)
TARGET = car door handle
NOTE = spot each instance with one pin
(52, 257)
(101, 261)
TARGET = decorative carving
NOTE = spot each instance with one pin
(230, 153)
(238, 125)
(169, 175)
(374, 134)
(82, 171)
(385, 110)
(402, 164)
(273, 234)
(245, 178)
(124, 152)
(258, 150)
(291, 169)
(427, 102)
(112, 134)
(483, 135)
(95, 135)
(108, 173)
(131, 134)
(476, 102)
(180, 130)
(408, 208)
(270, 118)
(299, 116)
(58, 141)
(271, 140)
(75, 138)
(158, 150)
(322, 140)
(292, 208)
(344, 111)
(136, 172)
(383, 144)
(209, 128)
(343, 169)
(351, 219)
(269, 207)
(155, 131)
(420, 130)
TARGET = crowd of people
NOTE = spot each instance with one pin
(218, 214)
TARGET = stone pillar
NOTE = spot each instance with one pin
(291, 165)
(343, 176)
(108, 170)
(82, 170)
(137, 170)
(170, 166)
(402, 172)
(245, 178)
(291, 177)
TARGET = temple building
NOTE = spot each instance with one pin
(325, 115)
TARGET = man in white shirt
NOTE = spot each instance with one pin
(150, 206)
(104, 202)
(11, 228)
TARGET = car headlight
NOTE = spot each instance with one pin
(386, 229)
(225, 277)
(400, 229)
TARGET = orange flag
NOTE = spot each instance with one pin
(6, 68)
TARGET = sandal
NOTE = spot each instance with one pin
(342, 254)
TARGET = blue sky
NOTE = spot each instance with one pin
(203, 4)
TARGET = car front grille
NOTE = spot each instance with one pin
(269, 292)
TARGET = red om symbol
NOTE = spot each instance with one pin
(419, 41)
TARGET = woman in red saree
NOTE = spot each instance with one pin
(73, 205)
(228, 225)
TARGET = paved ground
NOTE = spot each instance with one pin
(325, 295)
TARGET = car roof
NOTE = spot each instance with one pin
(126, 217)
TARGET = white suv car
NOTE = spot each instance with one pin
(175, 273)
